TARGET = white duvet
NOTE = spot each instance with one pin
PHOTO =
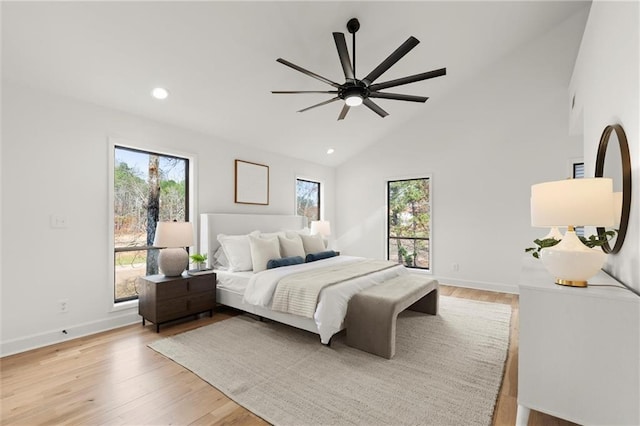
(333, 300)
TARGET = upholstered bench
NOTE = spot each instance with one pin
(372, 313)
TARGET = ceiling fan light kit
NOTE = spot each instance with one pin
(353, 99)
(354, 91)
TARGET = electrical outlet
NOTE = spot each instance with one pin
(58, 222)
(63, 305)
(455, 267)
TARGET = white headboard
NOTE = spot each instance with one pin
(212, 224)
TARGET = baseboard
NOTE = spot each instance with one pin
(34, 341)
(479, 285)
(23, 344)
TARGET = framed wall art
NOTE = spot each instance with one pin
(252, 183)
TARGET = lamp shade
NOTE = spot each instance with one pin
(575, 202)
(174, 234)
(322, 227)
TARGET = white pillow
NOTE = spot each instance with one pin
(219, 260)
(312, 243)
(290, 233)
(236, 249)
(266, 235)
(262, 251)
(291, 246)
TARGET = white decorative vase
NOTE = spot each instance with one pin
(571, 262)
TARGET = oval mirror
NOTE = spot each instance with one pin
(613, 161)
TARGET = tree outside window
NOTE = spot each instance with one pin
(308, 199)
(409, 222)
(148, 187)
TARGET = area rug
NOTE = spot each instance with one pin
(447, 369)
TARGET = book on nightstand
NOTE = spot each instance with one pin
(194, 272)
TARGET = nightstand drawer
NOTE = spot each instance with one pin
(201, 283)
(183, 306)
(201, 302)
(171, 309)
(183, 287)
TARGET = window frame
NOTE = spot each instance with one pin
(320, 195)
(191, 208)
(416, 176)
(575, 163)
(570, 166)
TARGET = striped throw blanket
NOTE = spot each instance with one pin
(298, 293)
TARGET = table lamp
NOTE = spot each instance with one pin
(173, 237)
(322, 227)
(572, 202)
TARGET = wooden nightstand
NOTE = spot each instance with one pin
(163, 299)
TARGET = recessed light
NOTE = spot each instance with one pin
(330, 151)
(159, 93)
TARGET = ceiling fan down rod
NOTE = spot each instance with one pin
(353, 50)
(353, 26)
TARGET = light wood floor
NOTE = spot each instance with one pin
(114, 378)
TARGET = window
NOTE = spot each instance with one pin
(147, 187)
(409, 222)
(578, 173)
(308, 199)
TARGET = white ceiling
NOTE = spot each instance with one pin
(217, 59)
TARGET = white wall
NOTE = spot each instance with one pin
(606, 88)
(55, 161)
(485, 145)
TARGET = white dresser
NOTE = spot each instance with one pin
(579, 353)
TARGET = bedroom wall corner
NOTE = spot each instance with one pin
(606, 88)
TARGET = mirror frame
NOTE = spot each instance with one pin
(626, 181)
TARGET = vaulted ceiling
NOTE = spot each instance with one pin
(217, 59)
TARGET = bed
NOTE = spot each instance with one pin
(252, 292)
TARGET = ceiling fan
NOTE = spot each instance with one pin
(356, 91)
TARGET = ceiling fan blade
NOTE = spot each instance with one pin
(410, 79)
(392, 59)
(398, 97)
(341, 45)
(287, 92)
(307, 72)
(375, 108)
(343, 113)
(320, 104)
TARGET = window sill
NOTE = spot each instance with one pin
(123, 306)
(420, 271)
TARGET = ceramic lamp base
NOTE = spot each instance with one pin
(173, 261)
(554, 233)
(571, 262)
